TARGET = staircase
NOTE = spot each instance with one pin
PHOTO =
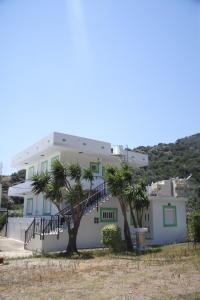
(56, 224)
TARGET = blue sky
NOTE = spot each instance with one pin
(123, 71)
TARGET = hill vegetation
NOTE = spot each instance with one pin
(179, 159)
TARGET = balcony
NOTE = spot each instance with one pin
(21, 189)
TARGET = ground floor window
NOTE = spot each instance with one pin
(46, 206)
(108, 214)
(29, 206)
(169, 216)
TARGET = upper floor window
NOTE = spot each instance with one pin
(44, 166)
(30, 172)
(94, 166)
(54, 158)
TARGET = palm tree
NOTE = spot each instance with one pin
(64, 184)
(118, 179)
(137, 199)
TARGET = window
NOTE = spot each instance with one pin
(46, 207)
(29, 206)
(108, 214)
(44, 166)
(54, 158)
(94, 166)
(169, 216)
(30, 172)
(96, 220)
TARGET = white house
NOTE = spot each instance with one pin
(40, 226)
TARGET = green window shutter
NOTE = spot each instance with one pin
(108, 214)
(169, 216)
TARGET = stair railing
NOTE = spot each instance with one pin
(29, 233)
(96, 194)
(50, 225)
(44, 226)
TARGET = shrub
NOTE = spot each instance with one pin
(111, 237)
(194, 227)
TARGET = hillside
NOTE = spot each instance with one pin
(179, 159)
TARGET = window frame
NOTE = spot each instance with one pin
(44, 163)
(30, 168)
(97, 164)
(164, 218)
(109, 209)
(43, 212)
(31, 213)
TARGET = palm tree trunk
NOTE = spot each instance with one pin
(127, 233)
(72, 232)
(133, 216)
(72, 247)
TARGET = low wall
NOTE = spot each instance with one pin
(17, 226)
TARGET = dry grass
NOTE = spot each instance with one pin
(173, 273)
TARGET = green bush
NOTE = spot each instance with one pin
(2, 220)
(111, 237)
(194, 227)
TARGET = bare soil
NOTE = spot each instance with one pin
(173, 273)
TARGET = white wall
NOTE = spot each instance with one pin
(162, 234)
(17, 226)
(89, 234)
(35, 244)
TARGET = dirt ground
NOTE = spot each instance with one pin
(173, 273)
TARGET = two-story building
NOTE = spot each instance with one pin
(165, 218)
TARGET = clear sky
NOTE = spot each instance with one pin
(123, 71)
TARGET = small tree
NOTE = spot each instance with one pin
(118, 179)
(194, 227)
(137, 199)
(64, 184)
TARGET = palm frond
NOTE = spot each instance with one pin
(59, 173)
(88, 175)
(74, 171)
(40, 182)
